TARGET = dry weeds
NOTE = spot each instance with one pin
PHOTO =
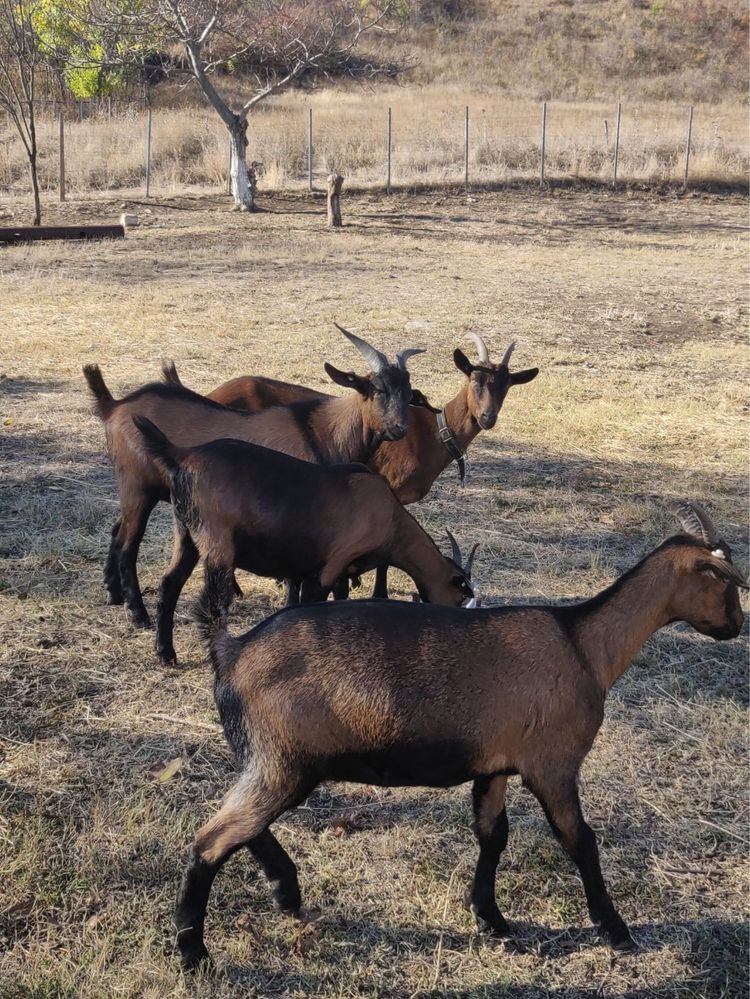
(350, 136)
(636, 310)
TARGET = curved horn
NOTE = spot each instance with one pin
(403, 355)
(484, 354)
(508, 352)
(455, 550)
(374, 358)
(470, 560)
(696, 521)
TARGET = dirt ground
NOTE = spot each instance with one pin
(635, 308)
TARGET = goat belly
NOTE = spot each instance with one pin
(424, 764)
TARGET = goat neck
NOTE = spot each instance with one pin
(416, 554)
(348, 436)
(459, 419)
(611, 628)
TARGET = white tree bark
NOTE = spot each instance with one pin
(242, 181)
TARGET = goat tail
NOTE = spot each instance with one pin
(169, 373)
(210, 615)
(105, 401)
(158, 446)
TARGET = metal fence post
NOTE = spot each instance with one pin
(617, 144)
(388, 189)
(466, 147)
(310, 149)
(687, 147)
(544, 143)
(148, 152)
(62, 155)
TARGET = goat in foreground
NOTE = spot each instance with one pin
(394, 694)
(323, 431)
(247, 507)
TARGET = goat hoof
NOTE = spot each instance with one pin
(618, 937)
(166, 657)
(141, 620)
(490, 921)
(115, 599)
(194, 958)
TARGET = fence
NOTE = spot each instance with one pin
(107, 145)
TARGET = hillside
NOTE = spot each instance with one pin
(686, 50)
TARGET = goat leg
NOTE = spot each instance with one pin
(491, 830)
(133, 522)
(558, 796)
(380, 591)
(247, 811)
(112, 568)
(184, 560)
(280, 870)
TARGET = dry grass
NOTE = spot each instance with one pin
(190, 146)
(636, 310)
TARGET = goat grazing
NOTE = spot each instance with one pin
(244, 506)
(392, 693)
(325, 431)
(434, 439)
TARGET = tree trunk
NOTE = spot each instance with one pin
(243, 182)
(35, 188)
(334, 199)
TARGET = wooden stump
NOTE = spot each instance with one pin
(335, 181)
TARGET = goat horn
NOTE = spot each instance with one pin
(484, 354)
(508, 352)
(455, 550)
(374, 358)
(403, 355)
(470, 560)
(696, 521)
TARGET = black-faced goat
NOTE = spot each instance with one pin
(243, 506)
(394, 694)
(326, 431)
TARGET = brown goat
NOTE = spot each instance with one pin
(324, 431)
(396, 694)
(243, 506)
(409, 465)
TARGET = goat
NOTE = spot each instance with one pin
(243, 506)
(401, 694)
(409, 465)
(324, 431)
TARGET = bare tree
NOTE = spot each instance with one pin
(21, 58)
(279, 39)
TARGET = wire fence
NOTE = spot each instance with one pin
(111, 144)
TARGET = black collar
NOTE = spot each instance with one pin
(451, 446)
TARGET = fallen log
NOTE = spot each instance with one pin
(24, 234)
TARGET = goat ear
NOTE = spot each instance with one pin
(462, 362)
(521, 377)
(420, 399)
(348, 379)
(726, 572)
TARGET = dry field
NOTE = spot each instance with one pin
(635, 308)
(350, 136)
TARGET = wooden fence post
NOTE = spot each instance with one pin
(310, 150)
(687, 148)
(466, 147)
(335, 180)
(617, 144)
(544, 143)
(62, 155)
(148, 152)
(388, 189)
